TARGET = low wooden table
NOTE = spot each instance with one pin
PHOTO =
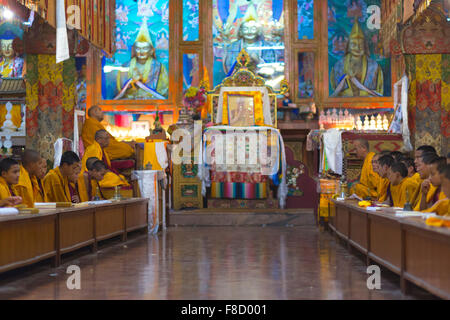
(407, 246)
(29, 238)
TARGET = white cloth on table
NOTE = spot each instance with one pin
(333, 149)
(8, 211)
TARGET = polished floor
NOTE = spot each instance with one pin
(211, 263)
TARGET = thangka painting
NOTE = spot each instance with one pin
(190, 20)
(139, 69)
(357, 66)
(254, 25)
(11, 61)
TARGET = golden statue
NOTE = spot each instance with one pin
(356, 74)
(10, 65)
(249, 38)
(146, 78)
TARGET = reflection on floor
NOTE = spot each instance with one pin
(211, 263)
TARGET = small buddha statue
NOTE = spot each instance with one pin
(10, 64)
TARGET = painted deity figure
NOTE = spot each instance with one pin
(10, 65)
(146, 77)
(249, 38)
(356, 74)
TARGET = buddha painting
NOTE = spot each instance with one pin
(356, 74)
(146, 77)
(249, 38)
(10, 64)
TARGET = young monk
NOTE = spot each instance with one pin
(440, 202)
(37, 181)
(383, 183)
(9, 176)
(427, 189)
(369, 180)
(116, 149)
(419, 153)
(445, 181)
(434, 194)
(56, 182)
(384, 162)
(88, 181)
(97, 150)
(28, 187)
(400, 188)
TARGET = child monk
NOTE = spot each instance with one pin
(382, 167)
(56, 182)
(88, 181)
(436, 201)
(9, 176)
(28, 187)
(400, 189)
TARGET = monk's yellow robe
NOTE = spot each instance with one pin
(5, 189)
(430, 195)
(83, 190)
(400, 191)
(115, 150)
(110, 179)
(56, 187)
(38, 190)
(25, 188)
(382, 189)
(441, 206)
(368, 181)
(414, 198)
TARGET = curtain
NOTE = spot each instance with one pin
(51, 98)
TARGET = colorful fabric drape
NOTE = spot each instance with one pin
(428, 99)
(51, 97)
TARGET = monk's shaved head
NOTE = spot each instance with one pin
(92, 110)
(90, 161)
(30, 156)
(101, 134)
(364, 143)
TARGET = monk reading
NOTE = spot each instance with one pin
(433, 202)
(369, 180)
(57, 181)
(116, 149)
(384, 163)
(383, 183)
(97, 150)
(427, 189)
(400, 188)
(88, 181)
(28, 187)
(9, 176)
(445, 183)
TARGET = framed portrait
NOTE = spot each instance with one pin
(241, 110)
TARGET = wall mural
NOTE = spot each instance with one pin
(257, 26)
(190, 20)
(357, 66)
(139, 68)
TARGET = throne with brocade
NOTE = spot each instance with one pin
(244, 163)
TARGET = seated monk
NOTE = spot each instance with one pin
(445, 183)
(37, 182)
(413, 175)
(437, 201)
(97, 150)
(9, 176)
(88, 181)
(383, 164)
(383, 183)
(400, 187)
(28, 187)
(57, 182)
(116, 149)
(369, 180)
(427, 189)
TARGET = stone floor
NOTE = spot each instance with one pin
(210, 263)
